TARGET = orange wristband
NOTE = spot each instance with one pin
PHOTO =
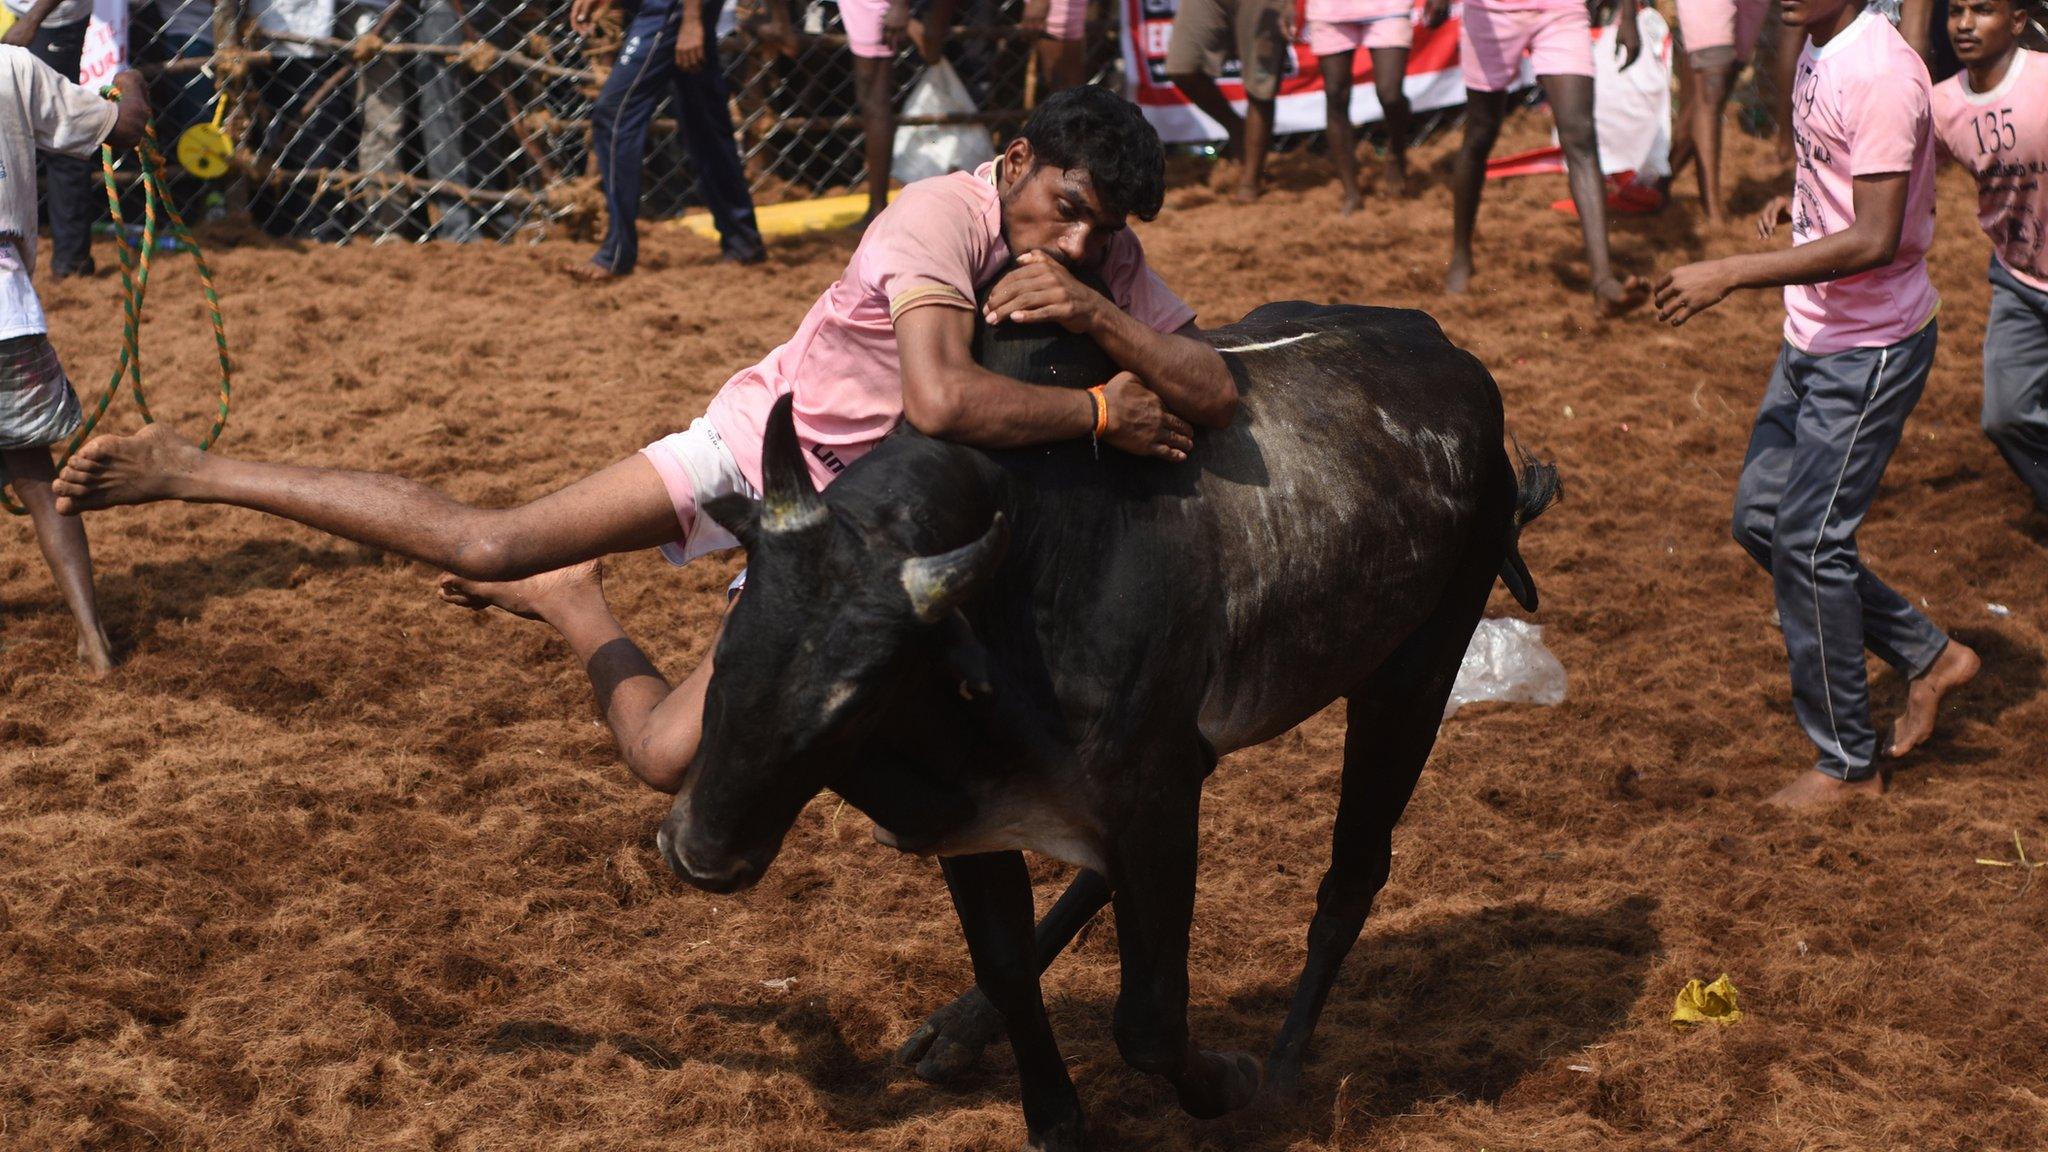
(1101, 411)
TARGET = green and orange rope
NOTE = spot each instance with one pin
(135, 288)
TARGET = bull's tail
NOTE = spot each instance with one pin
(1536, 489)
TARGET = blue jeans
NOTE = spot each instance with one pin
(643, 75)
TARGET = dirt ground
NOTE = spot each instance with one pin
(329, 864)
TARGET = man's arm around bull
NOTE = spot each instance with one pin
(1062, 218)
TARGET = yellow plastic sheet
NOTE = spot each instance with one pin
(793, 217)
(1705, 1003)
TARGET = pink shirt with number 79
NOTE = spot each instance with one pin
(1861, 107)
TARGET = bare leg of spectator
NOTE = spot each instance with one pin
(875, 80)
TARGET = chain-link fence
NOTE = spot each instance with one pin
(439, 118)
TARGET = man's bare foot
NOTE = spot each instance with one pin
(593, 274)
(531, 597)
(1956, 666)
(148, 465)
(1614, 297)
(96, 652)
(1247, 192)
(1394, 180)
(1351, 204)
(1817, 789)
(1459, 277)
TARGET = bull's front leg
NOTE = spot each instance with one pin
(1154, 881)
(951, 1040)
(992, 894)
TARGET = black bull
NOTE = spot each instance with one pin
(1048, 649)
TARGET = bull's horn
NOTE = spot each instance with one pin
(791, 502)
(939, 584)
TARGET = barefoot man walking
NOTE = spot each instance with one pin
(1557, 35)
(38, 408)
(1859, 340)
(890, 340)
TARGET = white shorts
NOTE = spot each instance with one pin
(696, 467)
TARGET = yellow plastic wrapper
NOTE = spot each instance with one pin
(1705, 1003)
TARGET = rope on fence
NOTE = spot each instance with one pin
(563, 200)
(457, 118)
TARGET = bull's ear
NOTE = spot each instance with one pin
(737, 515)
(790, 502)
(939, 584)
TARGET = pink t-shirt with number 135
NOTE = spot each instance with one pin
(1860, 107)
(2001, 136)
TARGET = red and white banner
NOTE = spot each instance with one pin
(1433, 80)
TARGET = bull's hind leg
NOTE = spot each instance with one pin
(1154, 881)
(1390, 727)
(992, 894)
(951, 1040)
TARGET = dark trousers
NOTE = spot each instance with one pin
(75, 200)
(302, 138)
(2016, 378)
(1824, 433)
(643, 75)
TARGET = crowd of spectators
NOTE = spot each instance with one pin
(325, 109)
(422, 115)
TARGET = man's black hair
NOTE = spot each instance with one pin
(1104, 135)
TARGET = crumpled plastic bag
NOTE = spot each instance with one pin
(926, 150)
(1705, 1003)
(1507, 662)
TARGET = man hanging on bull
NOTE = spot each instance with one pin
(890, 340)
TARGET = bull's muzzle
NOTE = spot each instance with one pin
(701, 861)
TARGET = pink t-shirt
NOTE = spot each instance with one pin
(1526, 5)
(2001, 136)
(1356, 11)
(1860, 107)
(937, 244)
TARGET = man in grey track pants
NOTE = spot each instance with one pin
(1859, 340)
(1825, 431)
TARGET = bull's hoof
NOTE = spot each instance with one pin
(950, 1041)
(1280, 1089)
(1067, 1136)
(1229, 1082)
